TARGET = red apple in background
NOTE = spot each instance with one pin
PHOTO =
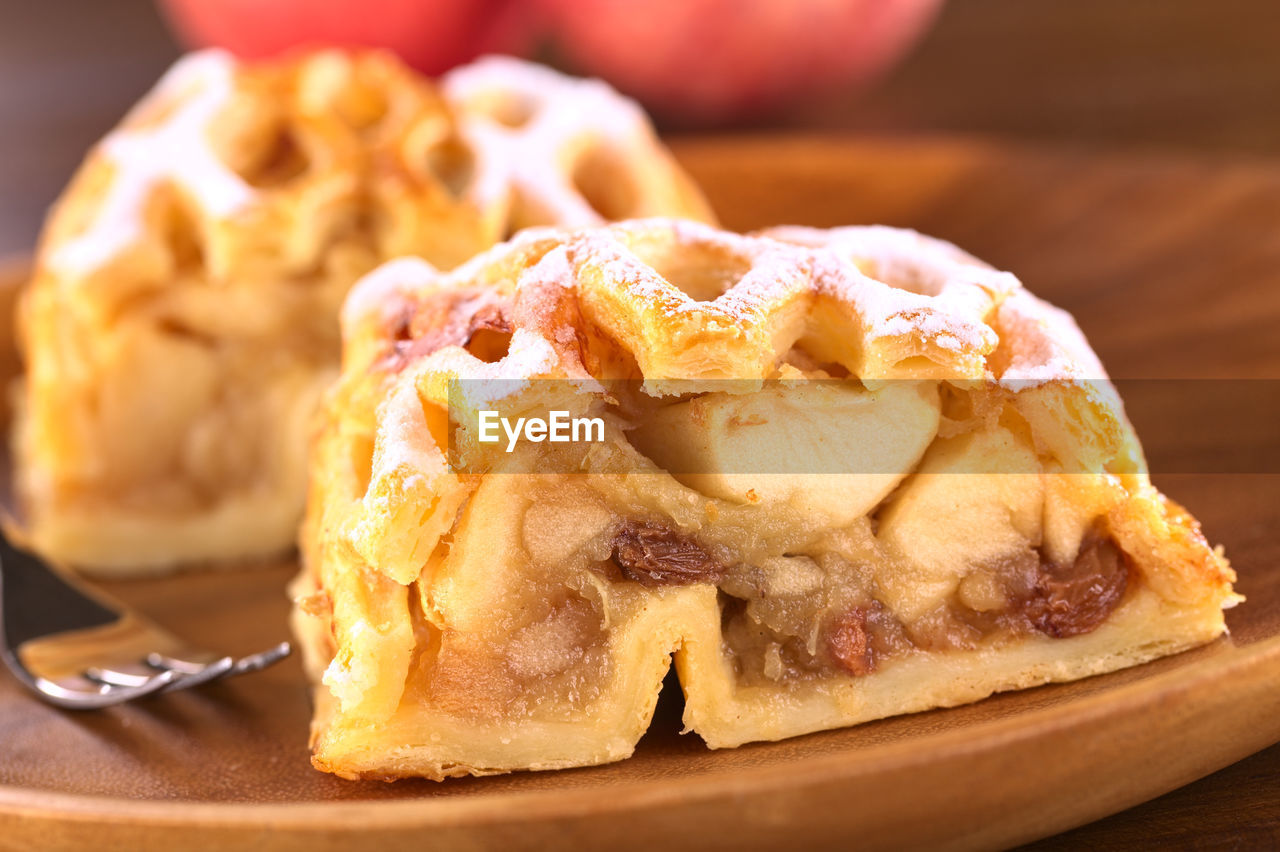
(705, 61)
(431, 35)
(695, 61)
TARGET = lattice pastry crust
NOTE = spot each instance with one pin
(467, 611)
(183, 316)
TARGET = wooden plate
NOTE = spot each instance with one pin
(1172, 267)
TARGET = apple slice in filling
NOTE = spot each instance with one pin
(833, 450)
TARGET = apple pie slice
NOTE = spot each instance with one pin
(183, 315)
(835, 475)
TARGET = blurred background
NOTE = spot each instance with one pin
(1146, 74)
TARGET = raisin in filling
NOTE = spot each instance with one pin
(654, 555)
(1074, 598)
(849, 644)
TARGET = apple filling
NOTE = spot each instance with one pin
(952, 544)
(842, 525)
(784, 618)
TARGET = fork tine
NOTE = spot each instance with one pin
(259, 661)
(194, 663)
(81, 693)
(128, 674)
(193, 674)
(74, 685)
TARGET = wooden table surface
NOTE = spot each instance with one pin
(1144, 75)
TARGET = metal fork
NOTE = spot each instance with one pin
(78, 649)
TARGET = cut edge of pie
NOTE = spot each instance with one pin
(456, 621)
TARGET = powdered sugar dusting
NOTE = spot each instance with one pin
(901, 282)
(177, 152)
(1042, 343)
(773, 272)
(560, 116)
(380, 290)
(405, 445)
(926, 298)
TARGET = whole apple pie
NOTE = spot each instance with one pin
(834, 475)
(182, 319)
